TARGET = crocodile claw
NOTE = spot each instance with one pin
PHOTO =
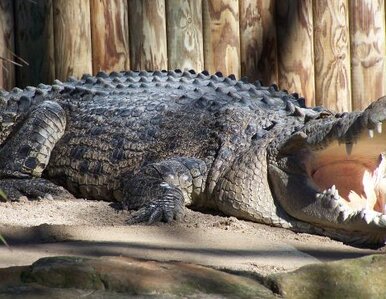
(168, 207)
(152, 215)
(34, 188)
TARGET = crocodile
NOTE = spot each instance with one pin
(158, 142)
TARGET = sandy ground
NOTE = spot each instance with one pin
(90, 228)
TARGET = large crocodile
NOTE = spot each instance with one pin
(159, 141)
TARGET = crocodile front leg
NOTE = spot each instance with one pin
(160, 190)
(244, 191)
(26, 153)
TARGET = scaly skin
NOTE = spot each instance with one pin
(159, 141)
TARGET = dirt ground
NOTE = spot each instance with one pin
(35, 229)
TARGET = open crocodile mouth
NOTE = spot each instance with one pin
(354, 174)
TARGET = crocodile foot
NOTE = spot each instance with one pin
(169, 205)
(34, 188)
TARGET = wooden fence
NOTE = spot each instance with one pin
(332, 52)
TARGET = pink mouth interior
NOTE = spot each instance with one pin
(359, 177)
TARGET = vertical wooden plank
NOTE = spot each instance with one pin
(184, 34)
(332, 54)
(110, 35)
(147, 25)
(295, 47)
(7, 70)
(258, 40)
(72, 38)
(367, 30)
(34, 41)
(221, 36)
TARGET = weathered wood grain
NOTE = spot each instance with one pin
(110, 35)
(221, 36)
(332, 54)
(34, 40)
(184, 34)
(295, 47)
(72, 33)
(258, 40)
(147, 25)
(367, 28)
(7, 69)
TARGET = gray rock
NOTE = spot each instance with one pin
(352, 278)
(114, 277)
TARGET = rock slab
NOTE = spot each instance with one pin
(352, 278)
(118, 276)
(122, 277)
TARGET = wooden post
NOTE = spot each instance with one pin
(72, 38)
(367, 28)
(295, 47)
(221, 36)
(7, 69)
(185, 37)
(332, 54)
(110, 35)
(147, 24)
(34, 40)
(258, 40)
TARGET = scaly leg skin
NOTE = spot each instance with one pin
(160, 190)
(24, 156)
(33, 188)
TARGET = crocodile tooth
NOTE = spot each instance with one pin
(368, 215)
(376, 220)
(345, 214)
(379, 128)
(349, 147)
(334, 191)
(371, 133)
(382, 220)
(333, 203)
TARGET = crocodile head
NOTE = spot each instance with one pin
(332, 173)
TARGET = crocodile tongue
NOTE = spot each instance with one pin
(374, 186)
